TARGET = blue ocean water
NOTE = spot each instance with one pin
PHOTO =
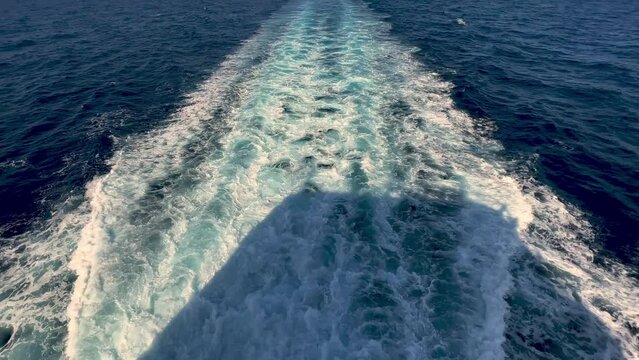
(319, 179)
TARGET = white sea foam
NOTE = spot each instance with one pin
(36, 282)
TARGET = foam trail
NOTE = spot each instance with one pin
(313, 113)
(320, 197)
(333, 105)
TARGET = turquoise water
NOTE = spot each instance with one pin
(318, 196)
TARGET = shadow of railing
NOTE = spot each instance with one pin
(347, 275)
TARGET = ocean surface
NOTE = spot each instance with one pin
(319, 179)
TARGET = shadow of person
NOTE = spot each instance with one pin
(351, 275)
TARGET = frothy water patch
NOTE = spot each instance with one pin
(338, 275)
(319, 196)
(13, 164)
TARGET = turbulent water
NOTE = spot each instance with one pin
(319, 196)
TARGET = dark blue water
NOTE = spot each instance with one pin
(319, 179)
(560, 80)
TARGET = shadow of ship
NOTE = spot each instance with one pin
(349, 275)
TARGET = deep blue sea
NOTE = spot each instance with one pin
(319, 179)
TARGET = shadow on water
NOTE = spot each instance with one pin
(347, 275)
